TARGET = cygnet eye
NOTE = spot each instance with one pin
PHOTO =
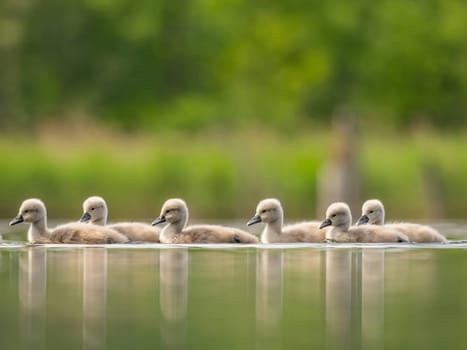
(26, 211)
(333, 215)
(371, 211)
(263, 211)
(93, 208)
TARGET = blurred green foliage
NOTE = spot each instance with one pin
(189, 64)
(228, 102)
(224, 176)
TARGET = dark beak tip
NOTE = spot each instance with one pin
(363, 220)
(16, 220)
(86, 217)
(254, 220)
(158, 221)
(325, 223)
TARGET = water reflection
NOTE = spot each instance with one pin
(339, 326)
(274, 298)
(94, 298)
(173, 297)
(269, 285)
(353, 293)
(32, 289)
(372, 299)
(354, 298)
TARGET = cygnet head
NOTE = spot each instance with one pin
(268, 211)
(337, 215)
(94, 210)
(173, 211)
(372, 213)
(31, 210)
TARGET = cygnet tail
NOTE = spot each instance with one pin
(116, 237)
(244, 237)
(401, 238)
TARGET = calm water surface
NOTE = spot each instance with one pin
(218, 297)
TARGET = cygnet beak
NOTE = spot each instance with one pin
(254, 220)
(325, 223)
(363, 220)
(159, 220)
(17, 220)
(85, 218)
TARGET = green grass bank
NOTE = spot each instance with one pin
(222, 175)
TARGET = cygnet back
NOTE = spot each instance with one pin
(175, 212)
(95, 211)
(339, 218)
(33, 211)
(270, 212)
(373, 213)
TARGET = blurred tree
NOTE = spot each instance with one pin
(188, 64)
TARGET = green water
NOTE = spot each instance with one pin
(285, 297)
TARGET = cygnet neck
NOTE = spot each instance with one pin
(176, 226)
(275, 225)
(38, 229)
(101, 221)
(333, 231)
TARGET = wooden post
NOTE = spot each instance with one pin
(339, 179)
